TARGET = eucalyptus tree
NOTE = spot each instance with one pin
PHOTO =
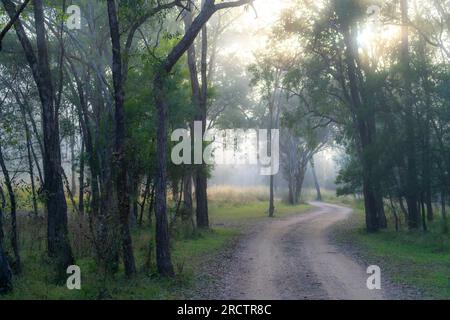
(5, 269)
(331, 65)
(17, 266)
(202, 64)
(58, 243)
(268, 74)
(301, 137)
(113, 176)
(209, 8)
(380, 86)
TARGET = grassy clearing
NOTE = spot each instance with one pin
(235, 207)
(230, 195)
(188, 252)
(419, 259)
(226, 215)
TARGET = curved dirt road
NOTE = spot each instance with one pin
(292, 258)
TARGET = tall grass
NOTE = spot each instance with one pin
(416, 258)
(230, 209)
(231, 195)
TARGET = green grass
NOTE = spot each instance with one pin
(187, 256)
(231, 214)
(189, 252)
(418, 259)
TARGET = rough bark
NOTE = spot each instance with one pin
(187, 194)
(17, 266)
(73, 184)
(365, 135)
(199, 99)
(30, 160)
(144, 200)
(201, 197)
(81, 180)
(427, 152)
(163, 259)
(5, 273)
(57, 234)
(271, 178)
(411, 169)
(121, 179)
(316, 182)
(444, 214)
(201, 190)
(151, 206)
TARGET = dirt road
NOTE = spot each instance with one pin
(292, 258)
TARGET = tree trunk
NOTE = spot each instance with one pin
(5, 273)
(57, 234)
(30, 165)
(316, 182)
(202, 175)
(394, 212)
(427, 153)
(291, 191)
(31, 156)
(403, 208)
(121, 179)
(81, 181)
(2, 210)
(382, 220)
(299, 185)
(411, 174)
(424, 220)
(58, 241)
(17, 267)
(365, 134)
(201, 197)
(87, 147)
(73, 184)
(444, 214)
(271, 178)
(151, 205)
(5, 270)
(271, 198)
(199, 99)
(163, 258)
(187, 194)
(144, 200)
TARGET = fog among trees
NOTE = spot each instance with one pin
(359, 91)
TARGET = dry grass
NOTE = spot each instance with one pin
(231, 195)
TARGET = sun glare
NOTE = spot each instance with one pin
(375, 41)
(250, 32)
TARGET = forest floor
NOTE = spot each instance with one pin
(316, 251)
(296, 257)
(417, 262)
(230, 215)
